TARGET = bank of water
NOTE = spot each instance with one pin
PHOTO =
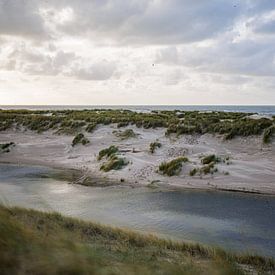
(240, 222)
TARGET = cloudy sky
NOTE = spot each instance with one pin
(137, 52)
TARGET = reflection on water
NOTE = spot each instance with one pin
(236, 221)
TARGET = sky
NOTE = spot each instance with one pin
(117, 52)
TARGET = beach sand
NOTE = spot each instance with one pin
(251, 165)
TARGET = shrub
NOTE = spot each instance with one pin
(172, 167)
(129, 133)
(80, 138)
(154, 146)
(5, 147)
(209, 159)
(209, 169)
(268, 134)
(108, 152)
(114, 163)
(90, 127)
(193, 172)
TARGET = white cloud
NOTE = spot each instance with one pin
(138, 51)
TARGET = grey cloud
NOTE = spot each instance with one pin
(98, 71)
(21, 18)
(150, 22)
(38, 62)
(225, 56)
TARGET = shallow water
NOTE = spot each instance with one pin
(240, 222)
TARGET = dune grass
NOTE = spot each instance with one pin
(107, 152)
(80, 139)
(126, 134)
(5, 147)
(113, 163)
(268, 134)
(172, 167)
(154, 146)
(33, 242)
(227, 124)
(113, 160)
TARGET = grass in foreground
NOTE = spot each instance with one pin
(33, 242)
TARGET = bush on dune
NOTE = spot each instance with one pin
(80, 139)
(108, 152)
(114, 162)
(268, 134)
(172, 167)
(154, 146)
(129, 133)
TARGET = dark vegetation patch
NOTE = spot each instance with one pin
(129, 133)
(33, 242)
(228, 124)
(268, 134)
(114, 162)
(5, 147)
(209, 163)
(80, 139)
(154, 146)
(107, 152)
(172, 167)
(209, 159)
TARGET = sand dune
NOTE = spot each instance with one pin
(251, 165)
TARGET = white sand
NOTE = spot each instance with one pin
(252, 165)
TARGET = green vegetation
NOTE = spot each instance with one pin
(108, 152)
(80, 139)
(209, 169)
(5, 147)
(172, 167)
(33, 242)
(129, 133)
(211, 158)
(193, 172)
(90, 127)
(268, 134)
(227, 124)
(154, 146)
(114, 162)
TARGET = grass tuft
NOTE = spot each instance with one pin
(172, 167)
(80, 139)
(154, 146)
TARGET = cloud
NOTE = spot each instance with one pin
(214, 46)
(98, 71)
(21, 18)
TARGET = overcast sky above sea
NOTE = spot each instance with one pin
(137, 52)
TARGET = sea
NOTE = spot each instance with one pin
(268, 110)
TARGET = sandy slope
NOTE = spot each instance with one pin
(252, 165)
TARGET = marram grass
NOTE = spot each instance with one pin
(33, 242)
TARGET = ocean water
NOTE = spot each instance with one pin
(261, 109)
